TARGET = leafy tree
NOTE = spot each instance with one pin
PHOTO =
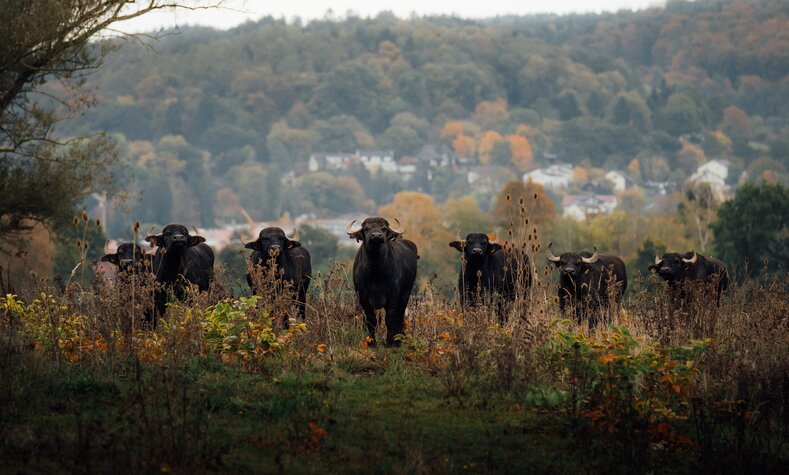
(463, 214)
(321, 244)
(646, 256)
(754, 227)
(43, 178)
(681, 115)
(422, 222)
(517, 202)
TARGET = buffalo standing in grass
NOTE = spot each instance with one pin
(384, 272)
(180, 260)
(679, 270)
(290, 259)
(489, 270)
(587, 282)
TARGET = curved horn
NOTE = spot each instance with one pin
(196, 231)
(295, 236)
(657, 259)
(591, 260)
(241, 238)
(492, 236)
(349, 229)
(457, 236)
(549, 254)
(107, 246)
(399, 229)
(692, 260)
(149, 232)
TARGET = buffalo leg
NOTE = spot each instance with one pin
(394, 324)
(370, 322)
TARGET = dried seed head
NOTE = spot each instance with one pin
(84, 216)
(521, 201)
(98, 223)
(535, 195)
(79, 244)
(508, 197)
(136, 226)
(75, 220)
(527, 221)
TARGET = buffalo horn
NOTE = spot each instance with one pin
(150, 231)
(549, 254)
(692, 260)
(492, 236)
(657, 259)
(349, 229)
(196, 232)
(398, 229)
(295, 236)
(107, 246)
(590, 260)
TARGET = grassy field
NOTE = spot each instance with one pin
(219, 387)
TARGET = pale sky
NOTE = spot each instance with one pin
(239, 11)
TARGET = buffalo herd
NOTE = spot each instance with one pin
(384, 272)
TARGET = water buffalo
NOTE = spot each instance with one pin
(290, 259)
(384, 272)
(587, 282)
(128, 257)
(180, 260)
(678, 269)
(487, 269)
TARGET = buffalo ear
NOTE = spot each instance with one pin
(459, 245)
(358, 235)
(113, 258)
(652, 268)
(252, 245)
(195, 240)
(292, 244)
(493, 247)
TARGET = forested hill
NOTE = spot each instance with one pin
(238, 109)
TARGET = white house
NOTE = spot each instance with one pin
(618, 179)
(554, 176)
(374, 160)
(581, 207)
(712, 173)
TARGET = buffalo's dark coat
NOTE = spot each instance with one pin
(180, 260)
(291, 259)
(588, 287)
(384, 272)
(129, 258)
(488, 269)
(675, 269)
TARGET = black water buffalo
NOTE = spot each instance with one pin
(384, 272)
(587, 282)
(488, 270)
(290, 258)
(180, 260)
(678, 269)
(129, 258)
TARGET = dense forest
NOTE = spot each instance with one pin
(213, 120)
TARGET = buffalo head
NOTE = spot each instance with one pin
(173, 236)
(126, 257)
(272, 241)
(672, 266)
(476, 245)
(374, 232)
(571, 264)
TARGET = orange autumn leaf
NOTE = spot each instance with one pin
(321, 347)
